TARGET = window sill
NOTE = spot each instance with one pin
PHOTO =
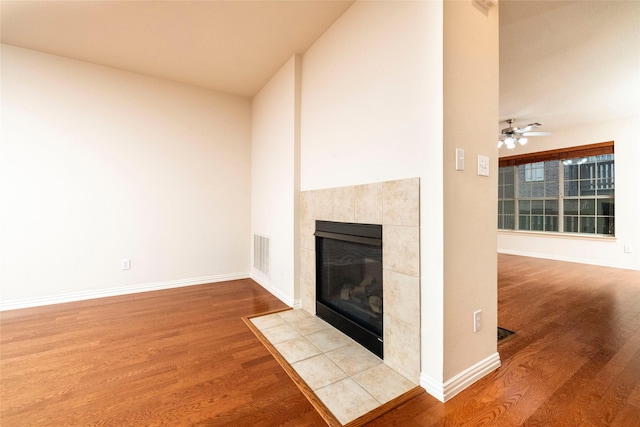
(595, 237)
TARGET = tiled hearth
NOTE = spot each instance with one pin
(395, 205)
(348, 379)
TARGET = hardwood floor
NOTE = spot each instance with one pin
(574, 361)
(184, 357)
(181, 357)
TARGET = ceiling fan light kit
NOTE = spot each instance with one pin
(512, 135)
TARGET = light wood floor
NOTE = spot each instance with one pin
(184, 357)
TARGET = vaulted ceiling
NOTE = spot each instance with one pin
(228, 46)
(561, 63)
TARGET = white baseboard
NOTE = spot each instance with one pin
(564, 258)
(448, 389)
(552, 257)
(266, 283)
(102, 293)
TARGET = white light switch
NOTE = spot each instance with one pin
(483, 166)
(459, 159)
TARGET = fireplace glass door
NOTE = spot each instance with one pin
(349, 280)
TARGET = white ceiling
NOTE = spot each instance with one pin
(228, 46)
(561, 63)
(566, 64)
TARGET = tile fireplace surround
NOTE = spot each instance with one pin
(395, 205)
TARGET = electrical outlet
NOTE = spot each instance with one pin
(477, 321)
(125, 264)
(628, 249)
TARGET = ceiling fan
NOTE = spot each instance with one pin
(509, 136)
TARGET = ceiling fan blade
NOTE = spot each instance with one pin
(537, 133)
(528, 127)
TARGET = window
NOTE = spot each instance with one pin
(534, 172)
(568, 191)
(538, 196)
(506, 198)
(588, 194)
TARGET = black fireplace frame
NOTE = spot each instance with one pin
(368, 234)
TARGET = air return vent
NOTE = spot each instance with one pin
(261, 253)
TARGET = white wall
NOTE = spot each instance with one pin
(591, 250)
(471, 88)
(371, 105)
(372, 112)
(100, 164)
(275, 178)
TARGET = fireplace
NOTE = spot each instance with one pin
(395, 205)
(349, 280)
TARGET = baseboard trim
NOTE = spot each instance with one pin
(558, 257)
(265, 283)
(448, 389)
(125, 290)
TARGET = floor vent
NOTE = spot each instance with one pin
(504, 333)
(261, 253)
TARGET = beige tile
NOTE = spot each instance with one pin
(402, 297)
(323, 204)
(401, 249)
(329, 339)
(383, 383)
(297, 349)
(347, 400)
(280, 333)
(307, 205)
(318, 371)
(310, 325)
(307, 237)
(316, 204)
(368, 203)
(343, 204)
(293, 315)
(307, 298)
(401, 202)
(402, 347)
(268, 321)
(353, 358)
(308, 280)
